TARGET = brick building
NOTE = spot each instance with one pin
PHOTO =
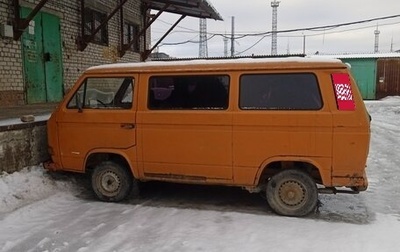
(46, 44)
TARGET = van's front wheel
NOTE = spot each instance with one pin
(292, 193)
(111, 182)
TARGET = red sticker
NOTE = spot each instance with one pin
(343, 91)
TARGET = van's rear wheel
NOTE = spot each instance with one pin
(111, 181)
(292, 193)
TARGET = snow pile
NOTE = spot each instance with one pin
(29, 185)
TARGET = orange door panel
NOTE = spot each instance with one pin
(187, 144)
(101, 123)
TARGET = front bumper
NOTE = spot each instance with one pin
(50, 165)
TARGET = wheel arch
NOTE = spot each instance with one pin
(94, 157)
(274, 165)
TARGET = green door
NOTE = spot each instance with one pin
(364, 72)
(41, 50)
(52, 57)
(32, 51)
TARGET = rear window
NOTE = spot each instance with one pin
(280, 92)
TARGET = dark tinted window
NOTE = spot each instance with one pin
(188, 92)
(280, 92)
(92, 20)
(131, 34)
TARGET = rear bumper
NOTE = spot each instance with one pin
(357, 182)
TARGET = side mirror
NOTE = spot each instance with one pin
(78, 102)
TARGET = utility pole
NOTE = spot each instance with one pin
(376, 47)
(274, 44)
(203, 49)
(288, 47)
(391, 45)
(233, 38)
(226, 40)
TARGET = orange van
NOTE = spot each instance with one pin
(286, 127)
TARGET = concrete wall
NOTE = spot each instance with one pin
(22, 145)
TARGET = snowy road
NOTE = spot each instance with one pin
(39, 212)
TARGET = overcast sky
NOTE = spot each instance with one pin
(255, 16)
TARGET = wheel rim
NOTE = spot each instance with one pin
(292, 193)
(110, 183)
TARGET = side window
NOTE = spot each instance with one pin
(104, 93)
(131, 32)
(92, 20)
(189, 92)
(280, 92)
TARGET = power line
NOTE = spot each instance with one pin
(315, 28)
(258, 41)
(333, 32)
(187, 41)
(339, 25)
(319, 34)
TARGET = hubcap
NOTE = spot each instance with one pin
(292, 193)
(110, 182)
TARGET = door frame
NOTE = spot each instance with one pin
(38, 72)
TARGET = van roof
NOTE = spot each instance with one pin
(220, 64)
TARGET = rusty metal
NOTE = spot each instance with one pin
(121, 27)
(147, 24)
(146, 20)
(154, 18)
(20, 24)
(146, 53)
(83, 41)
(388, 77)
(79, 40)
(192, 8)
(189, 9)
(50, 165)
(333, 190)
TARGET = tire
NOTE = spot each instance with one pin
(111, 182)
(292, 193)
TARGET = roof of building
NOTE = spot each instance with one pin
(358, 56)
(193, 8)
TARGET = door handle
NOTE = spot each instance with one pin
(47, 57)
(127, 125)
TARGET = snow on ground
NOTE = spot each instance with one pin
(57, 212)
